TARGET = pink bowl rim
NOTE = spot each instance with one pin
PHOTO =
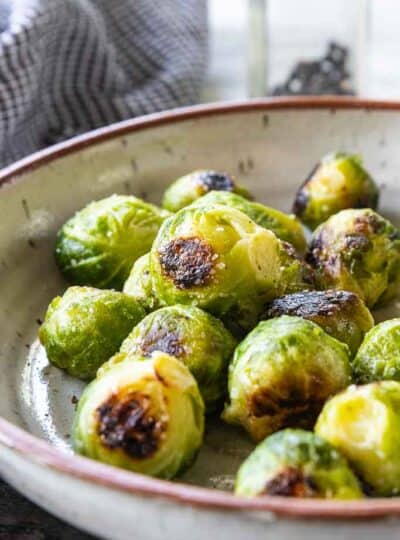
(43, 453)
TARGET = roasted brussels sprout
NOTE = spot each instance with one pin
(99, 245)
(341, 314)
(83, 328)
(139, 284)
(218, 259)
(297, 463)
(358, 251)
(188, 188)
(193, 336)
(338, 182)
(286, 227)
(145, 415)
(281, 375)
(363, 422)
(378, 358)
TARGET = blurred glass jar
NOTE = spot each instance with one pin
(263, 47)
(228, 45)
(310, 47)
(383, 76)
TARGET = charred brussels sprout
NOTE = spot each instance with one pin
(286, 227)
(363, 423)
(378, 358)
(145, 415)
(83, 328)
(341, 314)
(281, 375)
(358, 251)
(297, 463)
(99, 244)
(193, 336)
(338, 182)
(139, 284)
(218, 259)
(189, 188)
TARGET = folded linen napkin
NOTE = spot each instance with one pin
(68, 66)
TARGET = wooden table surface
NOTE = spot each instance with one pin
(22, 520)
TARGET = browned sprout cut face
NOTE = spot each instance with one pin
(311, 304)
(338, 182)
(216, 258)
(128, 424)
(289, 404)
(215, 181)
(291, 483)
(282, 373)
(193, 336)
(341, 314)
(188, 262)
(358, 251)
(297, 463)
(142, 414)
(187, 189)
(162, 339)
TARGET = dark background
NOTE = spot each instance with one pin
(22, 520)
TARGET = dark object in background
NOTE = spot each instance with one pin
(326, 76)
(22, 520)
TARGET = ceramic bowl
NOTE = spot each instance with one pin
(270, 146)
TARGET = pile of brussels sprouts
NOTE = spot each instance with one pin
(215, 304)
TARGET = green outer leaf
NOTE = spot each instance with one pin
(323, 469)
(86, 326)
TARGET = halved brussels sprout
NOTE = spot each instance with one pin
(139, 284)
(297, 463)
(286, 227)
(378, 358)
(100, 243)
(281, 375)
(193, 336)
(144, 414)
(363, 423)
(218, 259)
(337, 182)
(85, 326)
(190, 187)
(341, 314)
(358, 251)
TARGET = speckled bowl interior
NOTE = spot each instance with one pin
(269, 148)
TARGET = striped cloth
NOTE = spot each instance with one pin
(68, 66)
